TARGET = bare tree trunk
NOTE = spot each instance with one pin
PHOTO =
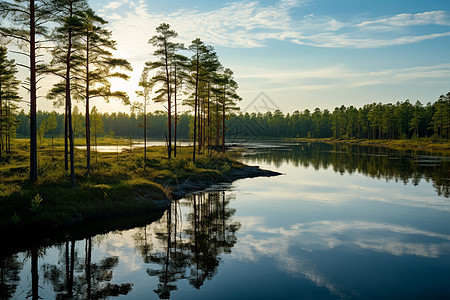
(1, 121)
(69, 105)
(176, 116)
(223, 122)
(217, 125)
(8, 126)
(209, 121)
(88, 123)
(66, 138)
(33, 131)
(145, 131)
(169, 105)
(195, 107)
(200, 126)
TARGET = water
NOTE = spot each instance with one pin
(343, 222)
(134, 144)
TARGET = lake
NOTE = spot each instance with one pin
(343, 222)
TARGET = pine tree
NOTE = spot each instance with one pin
(204, 65)
(9, 86)
(146, 86)
(28, 19)
(65, 62)
(51, 126)
(164, 54)
(97, 127)
(229, 98)
(100, 66)
(416, 119)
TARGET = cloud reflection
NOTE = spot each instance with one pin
(291, 246)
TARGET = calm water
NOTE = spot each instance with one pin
(134, 144)
(342, 223)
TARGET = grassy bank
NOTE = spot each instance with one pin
(425, 144)
(118, 184)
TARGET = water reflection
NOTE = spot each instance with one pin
(186, 243)
(71, 277)
(299, 249)
(9, 275)
(372, 161)
(309, 233)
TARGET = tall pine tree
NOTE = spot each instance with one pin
(28, 20)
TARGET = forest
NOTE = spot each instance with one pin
(402, 120)
(82, 60)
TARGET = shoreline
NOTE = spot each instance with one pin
(149, 209)
(415, 145)
(189, 186)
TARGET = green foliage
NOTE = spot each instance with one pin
(401, 120)
(9, 99)
(15, 219)
(35, 203)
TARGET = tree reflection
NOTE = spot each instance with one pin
(10, 268)
(211, 235)
(372, 161)
(186, 243)
(61, 276)
(34, 254)
(72, 278)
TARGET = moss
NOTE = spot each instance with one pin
(116, 186)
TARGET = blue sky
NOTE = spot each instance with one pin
(302, 54)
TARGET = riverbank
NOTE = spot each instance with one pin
(119, 186)
(415, 144)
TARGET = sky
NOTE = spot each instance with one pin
(301, 54)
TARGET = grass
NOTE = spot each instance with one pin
(118, 184)
(426, 144)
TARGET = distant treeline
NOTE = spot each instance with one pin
(402, 120)
(117, 124)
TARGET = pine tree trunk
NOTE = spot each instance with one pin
(176, 116)
(145, 131)
(66, 139)
(217, 125)
(69, 105)
(169, 105)
(200, 126)
(209, 121)
(195, 107)
(1, 121)
(87, 121)
(223, 126)
(33, 131)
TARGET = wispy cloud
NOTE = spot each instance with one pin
(346, 40)
(320, 236)
(403, 20)
(251, 24)
(339, 76)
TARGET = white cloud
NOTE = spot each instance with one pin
(402, 20)
(278, 243)
(115, 4)
(345, 40)
(251, 24)
(114, 17)
(338, 76)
